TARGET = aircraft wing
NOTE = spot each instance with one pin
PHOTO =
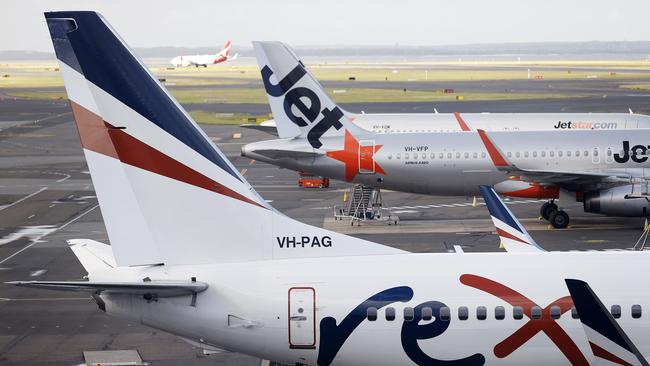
(156, 288)
(272, 130)
(582, 180)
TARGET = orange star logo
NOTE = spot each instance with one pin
(356, 157)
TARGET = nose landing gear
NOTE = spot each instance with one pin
(556, 217)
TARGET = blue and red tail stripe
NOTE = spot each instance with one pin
(104, 60)
(606, 338)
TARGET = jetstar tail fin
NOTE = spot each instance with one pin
(300, 105)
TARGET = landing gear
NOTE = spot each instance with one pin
(547, 209)
(556, 217)
(559, 219)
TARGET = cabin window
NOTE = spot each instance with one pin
(433, 156)
(556, 312)
(390, 314)
(427, 313)
(481, 313)
(517, 154)
(463, 313)
(577, 153)
(475, 155)
(448, 155)
(457, 155)
(390, 157)
(525, 154)
(559, 153)
(616, 311)
(466, 155)
(441, 155)
(543, 154)
(517, 312)
(568, 153)
(445, 314)
(499, 313)
(551, 153)
(609, 151)
(534, 154)
(574, 313)
(397, 156)
(483, 155)
(535, 313)
(371, 313)
(586, 153)
(636, 311)
(408, 314)
(509, 154)
(406, 156)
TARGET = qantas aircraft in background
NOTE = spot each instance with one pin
(219, 267)
(204, 60)
(607, 169)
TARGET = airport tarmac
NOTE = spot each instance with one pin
(46, 198)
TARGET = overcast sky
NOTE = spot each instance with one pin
(196, 23)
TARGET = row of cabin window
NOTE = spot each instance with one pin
(499, 313)
(551, 153)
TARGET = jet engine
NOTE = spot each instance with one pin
(618, 201)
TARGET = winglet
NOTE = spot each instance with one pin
(512, 234)
(463, 125)
(495, 154)
(606, 338)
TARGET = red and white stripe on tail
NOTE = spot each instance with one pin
(512, 234)
(167, 193)
(609, 344)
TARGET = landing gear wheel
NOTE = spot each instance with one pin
(559, 219)
(547, 209)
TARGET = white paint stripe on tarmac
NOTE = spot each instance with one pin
(37, 239)
(24, 198)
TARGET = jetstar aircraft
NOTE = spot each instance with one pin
(607, 169)
(205, 60)
(219, 267)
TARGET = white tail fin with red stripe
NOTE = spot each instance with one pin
(167, 194)
(609, 344)
(512, 233)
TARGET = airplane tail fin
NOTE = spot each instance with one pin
(608, 341)
(300, 105)
(512, 233)
(167, 194)
(226, 48)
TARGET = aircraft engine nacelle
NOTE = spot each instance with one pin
(613, 202)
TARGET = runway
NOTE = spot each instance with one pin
(47, 197)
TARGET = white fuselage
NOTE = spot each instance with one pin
(248, 307)
(457, 163)
(448, 122)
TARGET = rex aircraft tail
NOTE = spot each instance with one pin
(166, 192)
(300, 105)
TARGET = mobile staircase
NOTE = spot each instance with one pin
(363, 203)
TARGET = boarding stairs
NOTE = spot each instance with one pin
(363, 203)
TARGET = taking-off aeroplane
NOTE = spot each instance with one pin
(218, 266)
(607, 169)
(205, 60)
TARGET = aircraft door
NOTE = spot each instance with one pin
(595, 156)
(366, 157)
(302, 318)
